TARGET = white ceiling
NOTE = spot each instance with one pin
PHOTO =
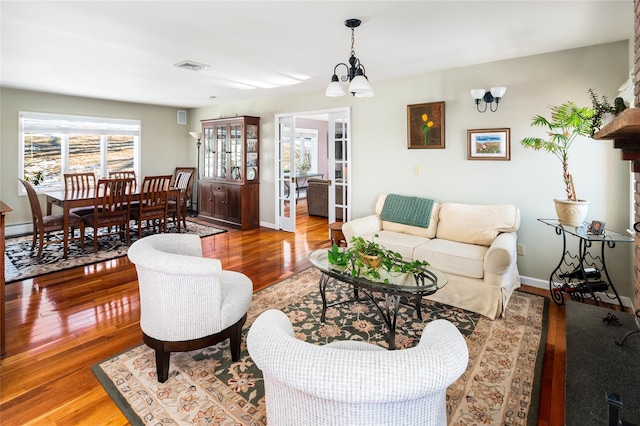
(126, 50)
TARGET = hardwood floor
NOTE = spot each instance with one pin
(61, 324)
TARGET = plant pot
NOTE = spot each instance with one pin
(571, 213)
(370, 261)
(397, 278)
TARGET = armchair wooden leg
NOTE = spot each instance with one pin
(162, 364)
(236, 339)
(163, 349)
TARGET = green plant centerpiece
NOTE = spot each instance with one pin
(567, 122)
(371, 260)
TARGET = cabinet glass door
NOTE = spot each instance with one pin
(220, 154)
(236, 152)
(251, 138)
(208, 153)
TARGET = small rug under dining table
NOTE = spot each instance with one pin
(500, 386)
(21, 263)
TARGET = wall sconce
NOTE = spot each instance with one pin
(489, 98)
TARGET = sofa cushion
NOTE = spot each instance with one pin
(476, 224)
(400, 243)
(429, 232)
(452, 257)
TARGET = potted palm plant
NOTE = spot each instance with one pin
(567, 122)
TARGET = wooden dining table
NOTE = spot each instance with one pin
(300, 181)
(68, 200)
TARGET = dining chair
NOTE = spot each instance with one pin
(44, 226)
(111, 209)
(152, 209)
(125, 174)
(189, 193)
(182, 182)
(77, 182)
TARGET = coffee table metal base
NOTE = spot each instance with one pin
(388, 310)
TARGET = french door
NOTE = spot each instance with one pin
(339, 157)
(338, 170)
(286, 172)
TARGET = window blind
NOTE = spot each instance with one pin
(44, 123)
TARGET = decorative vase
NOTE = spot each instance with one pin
(607, 118)
(570, 212)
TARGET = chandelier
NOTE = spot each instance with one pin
(359, 83)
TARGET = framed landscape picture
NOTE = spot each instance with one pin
(489, 144)
(425, 126)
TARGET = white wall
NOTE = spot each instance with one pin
(381, 161)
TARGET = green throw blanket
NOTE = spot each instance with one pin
(414, 211)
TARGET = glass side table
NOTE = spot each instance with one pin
(583, 275)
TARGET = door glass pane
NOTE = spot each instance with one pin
(285, 184)
(285, 167)
(341, 168)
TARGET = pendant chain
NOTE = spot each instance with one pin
(353, 39)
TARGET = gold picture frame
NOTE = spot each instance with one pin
(425, 126)
(489, 144)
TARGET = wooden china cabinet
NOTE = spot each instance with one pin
(228, 191)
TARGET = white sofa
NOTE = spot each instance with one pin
(473, 244)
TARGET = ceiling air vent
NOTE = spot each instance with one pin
(191, 65)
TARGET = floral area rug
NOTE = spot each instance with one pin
(500, 386)
(21, 263)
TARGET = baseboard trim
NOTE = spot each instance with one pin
(544, 284)
(18, 230)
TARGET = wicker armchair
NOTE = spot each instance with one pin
(187, 301)
(352, 382)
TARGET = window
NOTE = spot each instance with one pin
(306, 149)
(54, 144)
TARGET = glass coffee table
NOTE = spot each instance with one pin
(412, 288)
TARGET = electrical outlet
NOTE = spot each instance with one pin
(520, 249)
(416, 169)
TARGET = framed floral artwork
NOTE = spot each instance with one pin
(488, 144)
(425, 126)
